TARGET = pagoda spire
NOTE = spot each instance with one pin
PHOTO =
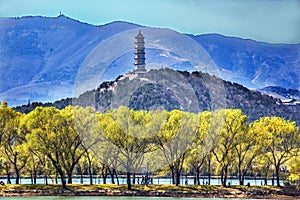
(139, 54)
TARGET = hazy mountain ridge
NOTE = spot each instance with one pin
(44, 54)
(281, 93)
(40, 57)
(185, 91)
(254, 64)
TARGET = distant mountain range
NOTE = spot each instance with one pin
(40, 58)
(282, 93)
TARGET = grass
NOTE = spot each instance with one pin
(136, 187)
(112, 189)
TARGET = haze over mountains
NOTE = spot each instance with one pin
(40, 58)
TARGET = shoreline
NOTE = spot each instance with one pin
(153, 191)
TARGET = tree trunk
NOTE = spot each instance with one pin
(8, 178)
(69, 176)
(242, 179)
(177, 177)
(240, 174)
(104, 178)
(90, 167)
(81, 176)
(115, 172)
(128, 181)
(173, 174)
(244, 172)
(34, 176)
(90, 174)
(62, 178)
(225, 175)
(63, 182)
(277, 175)
(209, 165)
(31, 178)
(222, 177)
(266, 180)
(46, 179)
(112, 176)
(56, 178)
(198, 176)
(133, 178)
(17, 175)
(104, 174)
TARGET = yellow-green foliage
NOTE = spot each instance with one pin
(52, 140)
(280, 140)
(294, 169)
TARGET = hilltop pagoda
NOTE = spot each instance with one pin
(139, 54)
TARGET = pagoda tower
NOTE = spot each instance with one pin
(139, 54)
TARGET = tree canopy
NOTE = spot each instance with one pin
(60, 143)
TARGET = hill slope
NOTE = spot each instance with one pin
(169, 89)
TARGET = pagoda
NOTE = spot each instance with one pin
(139, 54)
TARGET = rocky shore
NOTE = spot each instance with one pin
(155, 191)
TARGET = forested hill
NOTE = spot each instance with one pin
(169, 89)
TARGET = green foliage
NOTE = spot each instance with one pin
(13, 140)
(280, 138)
(50, 141)
(9, 122)
(294, 170)
(226, 127)
(52, 132)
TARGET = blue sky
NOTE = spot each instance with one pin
(274, 21)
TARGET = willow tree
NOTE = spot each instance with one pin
(107, 156)
(13, 139)
(6, 117)
(52, 133)
(127, 130)
(175, 140)
(88, 129)
(228, 125)
(9, 121)
(5, 166)
(201, 146)
(281, 139)
(261, 165)
(34, 164)
(249, 145)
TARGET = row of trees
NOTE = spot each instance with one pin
(61, 143)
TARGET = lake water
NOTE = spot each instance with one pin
(111, 198)
(214, 181)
